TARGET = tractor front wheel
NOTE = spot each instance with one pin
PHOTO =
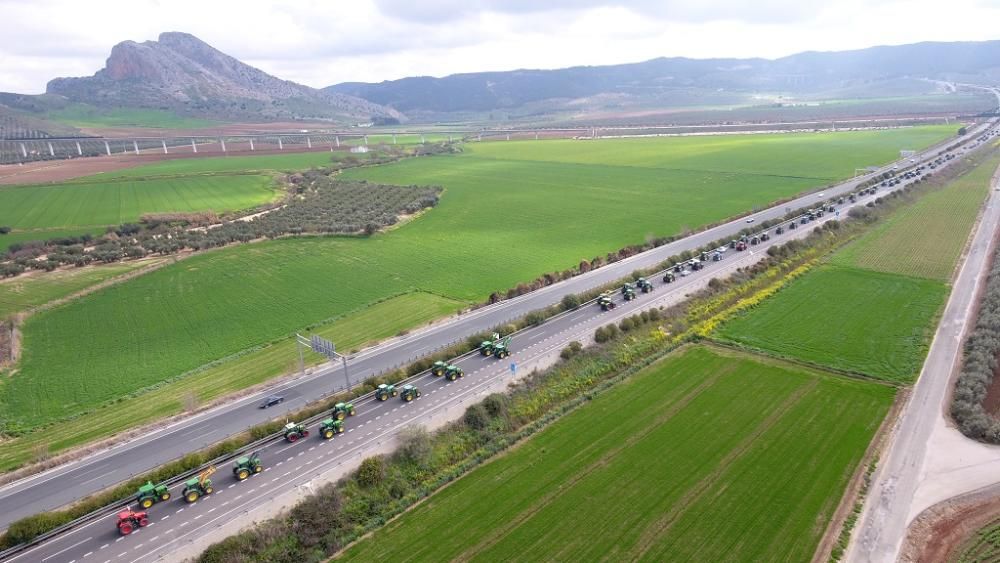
(208, 490)
(243, 475)
(165, 496)
(143, 522)
(258, 468)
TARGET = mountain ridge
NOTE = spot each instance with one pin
(182, 73)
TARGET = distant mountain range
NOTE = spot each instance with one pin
(179, 72)
(803, 73)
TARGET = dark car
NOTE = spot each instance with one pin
(271, 401)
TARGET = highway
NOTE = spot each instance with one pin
(75, 480)
(293, 465)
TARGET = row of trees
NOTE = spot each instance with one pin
(979, 365)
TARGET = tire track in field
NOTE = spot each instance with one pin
(501, 532)
(707, 483)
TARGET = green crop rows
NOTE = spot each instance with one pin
(847, 318)
(983, 547)
(501, 221)
(119, 201)
(925, 239)
(82, 115)
(871, 310)
(706, 456)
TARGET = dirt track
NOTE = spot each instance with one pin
(941, 531)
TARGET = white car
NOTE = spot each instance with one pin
(750, 220)
(685, 273)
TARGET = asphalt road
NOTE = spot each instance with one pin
(70, 482)
(291, 465)
(888, 511)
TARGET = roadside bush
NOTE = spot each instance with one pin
(371, 472)
(572, 349)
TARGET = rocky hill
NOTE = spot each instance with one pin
(669, 81)
(179, 72)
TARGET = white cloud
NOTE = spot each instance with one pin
(321, 43)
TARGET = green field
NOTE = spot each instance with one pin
(847, 318)
(925, 239)
(118, 201)
(705, 456)
(871, 310)
(501, 221)
(82, 115)
(222, 164)
(25, 292)
(377, 322)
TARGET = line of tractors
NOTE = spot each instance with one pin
(149, 494)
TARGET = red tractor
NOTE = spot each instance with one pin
(129, 521)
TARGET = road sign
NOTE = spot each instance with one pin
(513, 368)
(321, 345)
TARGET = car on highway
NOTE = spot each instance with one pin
(750, 220)
(685, 273)
(271, 400)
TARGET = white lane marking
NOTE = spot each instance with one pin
(88, 554)
(118, 540)
(103, 546)
(167, 517)
(68, 548)
(231, 486)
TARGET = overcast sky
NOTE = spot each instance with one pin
(320, 43)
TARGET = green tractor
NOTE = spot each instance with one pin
(409, 393)
(439, 368)
(150, 494)
(199, 486)
(669, 277)
(244, 466)
(295, 430)
(501, 348)
(644, 285)
(329, 427)
(605, 302)
(383, 392)
(453, 372)
(628, 292)
(487, 347)
(343, 410)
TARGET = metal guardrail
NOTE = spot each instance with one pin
(113, 508)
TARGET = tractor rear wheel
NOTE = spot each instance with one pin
(408, 398)
(292, 437)
(243, 475)
(125, 528)
(340, 415)
(328, 433)
(146, 502)
(191, 496)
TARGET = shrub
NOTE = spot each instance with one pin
(371, 472)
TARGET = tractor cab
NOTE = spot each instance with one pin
(244, 466)
(453, 372)
(669, 277)
(330, 427)
(343, 410)
(438, 368)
